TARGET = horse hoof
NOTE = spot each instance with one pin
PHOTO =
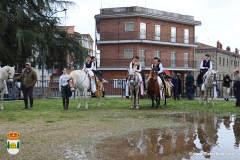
(131, 107)
(137, 107)
(86, 107)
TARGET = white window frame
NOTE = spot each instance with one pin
(186, 35)
(142, 57)
(186, 58)
(129, 26)
(128, 53)
(173, 59)
(173, 34)
(157, 32)
(157, 54)
(143, 31)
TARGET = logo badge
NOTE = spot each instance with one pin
(13, 143)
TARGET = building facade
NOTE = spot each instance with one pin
(125, 32)
(223, 60)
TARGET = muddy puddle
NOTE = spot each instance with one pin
(194, 136)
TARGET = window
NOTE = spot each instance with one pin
(220, 77)
(238, 63)
(157, 32)
(128, 53)
(186, 35)
(173, 34)
(157, 54)
(220, 60)
(223, 61)
(119, 83)
(129, 26)
(142, 56)
(227, 62)
(231, 63)
(185, 60)
(142, 30)
(173, 59)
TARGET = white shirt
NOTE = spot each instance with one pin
(201, 65)
(89, 69)
(160, 68)
(135, 67)
(63, 80)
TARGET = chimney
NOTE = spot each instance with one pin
(218, 44)
(228, 49)
(236, 51)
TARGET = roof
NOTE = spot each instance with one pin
(203, 47)
(136, 11)
(87, 36)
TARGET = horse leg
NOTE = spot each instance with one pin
(205, 97)
(157, 101)
(79, 100)
(1, 99)
(137, 100)
(86, 99)
(131, 98)
(152, 98)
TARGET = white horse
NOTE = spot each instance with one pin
(6, 74)
(208, 85)
(134, 86)
(80, 80)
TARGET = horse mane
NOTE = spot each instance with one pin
(130, 71)
(3, 72)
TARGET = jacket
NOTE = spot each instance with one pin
(31, 78)
(189, 80)
(226, 81)
(175, 82)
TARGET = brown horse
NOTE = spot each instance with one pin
(153, 88)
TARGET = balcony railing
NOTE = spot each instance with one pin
(124, 63)
(146, 35)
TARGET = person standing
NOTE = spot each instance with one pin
(175, 86)
(28, 79)
(226, 86)
(189, 85)
(179, 85)
(236, 87)
(64, 89)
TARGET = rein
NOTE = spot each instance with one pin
(77, 81)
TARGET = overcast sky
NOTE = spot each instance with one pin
(220, 18)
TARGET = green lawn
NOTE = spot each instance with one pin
(49, 132)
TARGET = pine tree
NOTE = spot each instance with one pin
(28, 26)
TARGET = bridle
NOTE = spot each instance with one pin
(9, 73)
(133, 77)
(213, 79)
(154, 71)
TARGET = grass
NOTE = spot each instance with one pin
(49, 132)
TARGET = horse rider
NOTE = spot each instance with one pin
(205, 66)
(137, 68)
(87, 68)
(157, 64)
(96, 72)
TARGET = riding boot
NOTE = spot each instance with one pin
(31, 103)
(67, 103)
(64, 104)
(26, 104)
(103, 94)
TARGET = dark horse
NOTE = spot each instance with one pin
(153, 88)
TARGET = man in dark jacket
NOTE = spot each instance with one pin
(175, 86)
(189, 85)
(236, 87)
(28, 78)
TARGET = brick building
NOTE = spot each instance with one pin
(124, 32)
(223, 60)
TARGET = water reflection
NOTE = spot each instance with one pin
(195, 136)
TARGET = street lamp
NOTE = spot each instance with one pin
(43, 95)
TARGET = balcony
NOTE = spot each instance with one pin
(146, 63)
(140, 36)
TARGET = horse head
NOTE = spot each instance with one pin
(154, 74)
(71, 83)
(212, 76)
(10, 72)
(131, 75)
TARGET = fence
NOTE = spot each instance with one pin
(112, 88)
